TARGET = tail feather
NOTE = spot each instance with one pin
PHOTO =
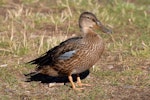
(41, 61)
(31, 74)
(37, 60)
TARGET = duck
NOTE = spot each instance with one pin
(74, 55)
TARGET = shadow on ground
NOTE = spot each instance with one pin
(50, 79)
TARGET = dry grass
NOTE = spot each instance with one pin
(28, 28)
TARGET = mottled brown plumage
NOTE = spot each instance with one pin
(74, 55)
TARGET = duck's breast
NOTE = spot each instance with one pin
(91, 54)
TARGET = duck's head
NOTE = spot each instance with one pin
(88, 21)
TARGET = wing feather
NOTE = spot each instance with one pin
(63, 51)
(67, 55)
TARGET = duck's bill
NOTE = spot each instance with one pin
(103, 28)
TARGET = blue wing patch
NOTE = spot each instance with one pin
(67, 55)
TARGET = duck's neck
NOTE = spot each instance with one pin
(90, 36)
(87, 32)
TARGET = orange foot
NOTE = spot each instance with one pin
(82, 84)
(78, 89)
(73, 85)
(79, 82)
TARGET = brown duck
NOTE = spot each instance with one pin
(76, 54)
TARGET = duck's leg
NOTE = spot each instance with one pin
(80, 83)
(72, 83)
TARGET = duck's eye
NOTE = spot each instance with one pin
(88, 17)
(93, 20)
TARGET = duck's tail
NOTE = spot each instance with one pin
(31, 74)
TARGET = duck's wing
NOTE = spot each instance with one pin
(63, 51)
